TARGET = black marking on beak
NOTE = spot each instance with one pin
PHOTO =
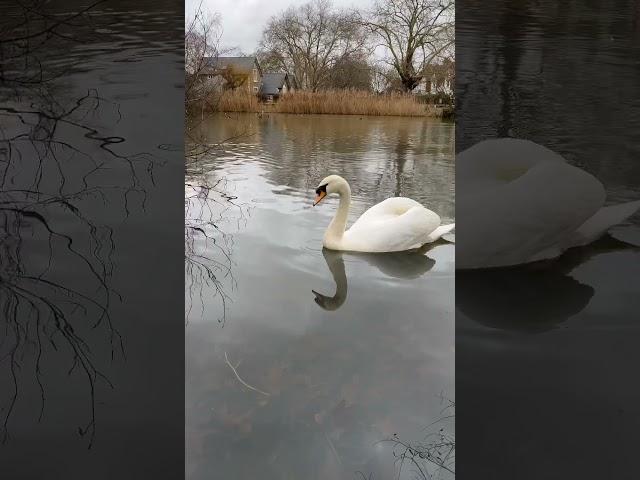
(321, 192)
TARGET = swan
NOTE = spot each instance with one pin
(522, 203)
(393, 225)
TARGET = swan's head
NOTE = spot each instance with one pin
(329, 185)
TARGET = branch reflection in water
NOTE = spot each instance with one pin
(56, 165)
(208, 246)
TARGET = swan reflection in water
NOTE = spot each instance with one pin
(531, 298)
(404, 265)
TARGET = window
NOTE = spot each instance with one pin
(255, 89)
(255, 74)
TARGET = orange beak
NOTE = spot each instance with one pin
(319, 198)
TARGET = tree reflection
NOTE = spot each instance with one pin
(56, 172)
(208, 207)
(208, 248)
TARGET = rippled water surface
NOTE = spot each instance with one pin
(90, 155)
(370, 354)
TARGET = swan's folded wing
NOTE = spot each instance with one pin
(389, 208)
(524, 219)
(389, 232)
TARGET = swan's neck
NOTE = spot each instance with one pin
(336, 228)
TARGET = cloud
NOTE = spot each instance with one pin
(244, 20)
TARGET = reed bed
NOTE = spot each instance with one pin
(238, 101)
(335, 102)
(350, 102)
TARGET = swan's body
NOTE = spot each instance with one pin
(521, 202)
(394, 225)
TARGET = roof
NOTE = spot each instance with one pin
(239, 63)
(273, 82)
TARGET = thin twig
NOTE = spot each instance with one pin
(240, 379)
(332, 448)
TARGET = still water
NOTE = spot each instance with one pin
(545, 354)
(341, 351)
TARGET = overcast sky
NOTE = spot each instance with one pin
(244, 20)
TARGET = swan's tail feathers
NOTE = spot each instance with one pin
(603, 220)
(439, 232)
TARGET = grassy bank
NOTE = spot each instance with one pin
(336, 102)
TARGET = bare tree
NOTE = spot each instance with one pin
(414, 33)
(203, 33)
(352, 72)
(201, 44)
(271, 61)
(308, 41)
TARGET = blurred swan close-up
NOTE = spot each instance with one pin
(521, 203)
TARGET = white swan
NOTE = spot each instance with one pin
(394, 225)
(521, 202)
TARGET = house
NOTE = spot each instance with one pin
(276, 84)
(438, 79)
(234, 72)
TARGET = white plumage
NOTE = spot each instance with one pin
(393, 225)
(522, 202)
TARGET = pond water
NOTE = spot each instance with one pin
(545, 354)
(91, 168)
(341, 351)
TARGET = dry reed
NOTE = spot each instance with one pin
(350, 102)
(336, 102)
(238, 101)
